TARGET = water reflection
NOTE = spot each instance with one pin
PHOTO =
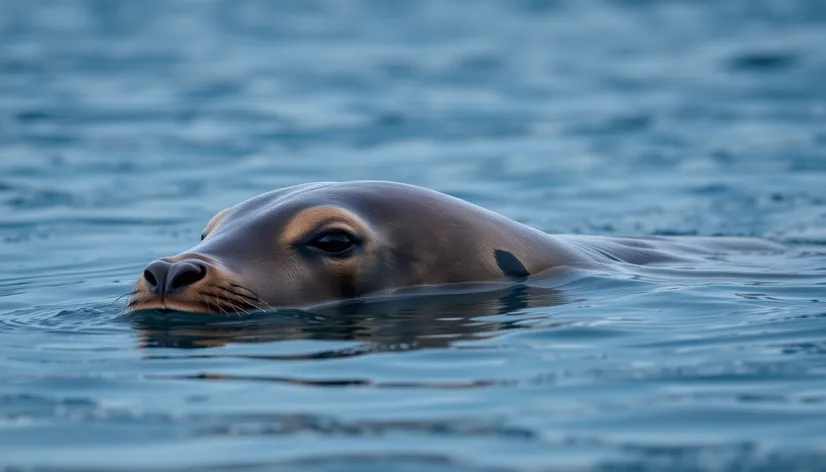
(395, 323)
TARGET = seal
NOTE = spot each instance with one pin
(317, 243)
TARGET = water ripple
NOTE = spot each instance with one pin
(125, 126)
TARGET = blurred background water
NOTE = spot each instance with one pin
(124, 126)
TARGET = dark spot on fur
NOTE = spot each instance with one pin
(510, 265)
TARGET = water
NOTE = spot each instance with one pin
(125, 126)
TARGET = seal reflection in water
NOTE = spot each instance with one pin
(318, 243)
(390, 324)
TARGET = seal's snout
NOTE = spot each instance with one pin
(164, 278)
(191, 282)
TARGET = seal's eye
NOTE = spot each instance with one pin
(334, 242)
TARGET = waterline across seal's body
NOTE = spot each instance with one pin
(323, 242)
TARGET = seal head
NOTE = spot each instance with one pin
(322, 242)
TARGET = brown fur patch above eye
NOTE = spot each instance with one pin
(215, 221)
(312, 219)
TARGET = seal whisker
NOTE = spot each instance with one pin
(223, 295)
(217, 297)
(231, 289)
(259, 307)
(129, 294)
(218, 306)
(252, 301)
(253, 306)
(269, 307)
(252, 295)
(238, 309)
(211, 302)
(133, 303)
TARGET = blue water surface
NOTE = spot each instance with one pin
(125, 125)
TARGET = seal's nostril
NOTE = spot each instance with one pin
(185, 273)
(155, 275)
(150, 279)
